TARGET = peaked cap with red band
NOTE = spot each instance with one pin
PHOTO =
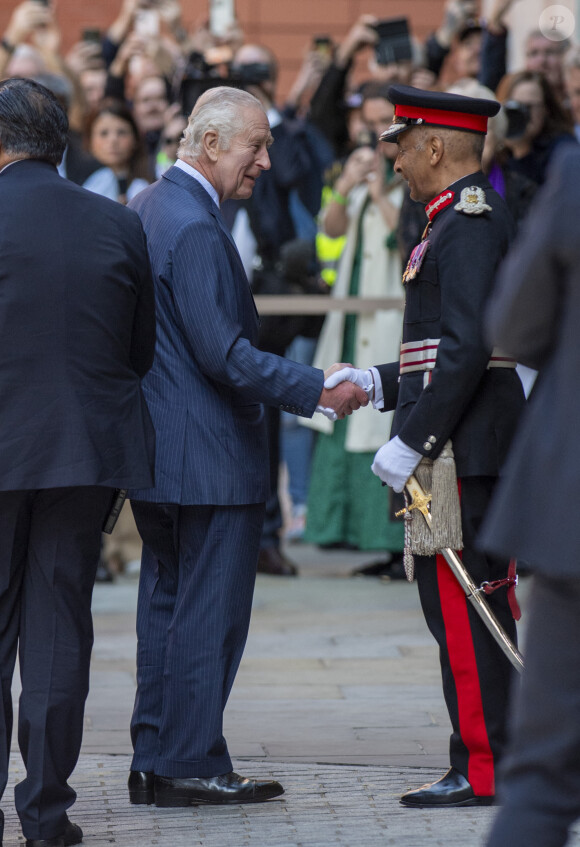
(415, 107)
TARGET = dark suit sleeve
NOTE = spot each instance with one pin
(143, 334)
(203, 282)
(469, 252)
(435, 54)
(524, 313)
(292, 163)
(327, 112)
(493, 58)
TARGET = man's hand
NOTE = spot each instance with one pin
(344, 399)
(26, 18)
(122, 25)
(357, 167)
(394, 463)
(133, 45)
(496, 18)
(84, 55)
(342, 373)
(360, 35)
(457, 14)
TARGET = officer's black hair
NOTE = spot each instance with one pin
(33, 124)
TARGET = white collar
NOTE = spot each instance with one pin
(274, 117)
(205, 183)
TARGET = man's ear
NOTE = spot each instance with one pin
(435, 148)
(211, 144)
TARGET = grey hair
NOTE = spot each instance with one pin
(457, 143)
(469, 87)
(219, 109)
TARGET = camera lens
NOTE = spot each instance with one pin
(518, 117)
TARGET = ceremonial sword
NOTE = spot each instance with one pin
(420, 501)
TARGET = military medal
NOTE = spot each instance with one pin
(415, 261)
(472, 201)
(419, 252)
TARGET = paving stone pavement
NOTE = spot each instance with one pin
(338, 696)
(323, 805)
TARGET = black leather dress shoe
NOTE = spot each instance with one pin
(141, 786)
(215, 790)
(451, 790)
(272, 561)
(72, 834)
(391, 569)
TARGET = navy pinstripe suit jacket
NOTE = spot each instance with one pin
(208, 380)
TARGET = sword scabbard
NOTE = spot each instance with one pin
(420, 501)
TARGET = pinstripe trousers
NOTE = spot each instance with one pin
(195, 596)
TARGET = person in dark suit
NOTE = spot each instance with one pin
(77, 335)
(534, 315)
(201, 523)
(450, 384)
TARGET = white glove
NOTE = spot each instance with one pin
(327, 412)
(394, 463)
(364, 379)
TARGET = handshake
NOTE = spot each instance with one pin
(346, 389)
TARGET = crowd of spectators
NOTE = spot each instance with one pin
(128, 91)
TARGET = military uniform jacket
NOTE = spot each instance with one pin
(475, 406)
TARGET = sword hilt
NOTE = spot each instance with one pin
(419, 500)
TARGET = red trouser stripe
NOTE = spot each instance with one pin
(464, 669)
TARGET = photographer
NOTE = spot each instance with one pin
(537, 124)
(33, 35)
(516, 189)
(542, 55)
(329, 104)
(460, 34)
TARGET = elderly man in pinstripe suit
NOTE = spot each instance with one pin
(201, 523)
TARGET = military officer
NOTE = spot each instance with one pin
(449, 384)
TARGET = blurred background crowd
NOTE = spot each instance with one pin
(331, 216)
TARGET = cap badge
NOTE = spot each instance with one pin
(472, 201)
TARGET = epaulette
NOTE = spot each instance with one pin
(472, 201)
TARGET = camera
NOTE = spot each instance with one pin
(251, 74)
(366, 138)
(518, 116)
(394, 44)
(322, 44)
(91, 35)
(199, 76)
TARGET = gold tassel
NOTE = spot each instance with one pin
(445, 506)
(439, 479)
(420, 535)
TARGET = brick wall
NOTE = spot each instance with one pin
(286, 27)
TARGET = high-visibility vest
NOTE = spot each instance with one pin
(328, 250)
